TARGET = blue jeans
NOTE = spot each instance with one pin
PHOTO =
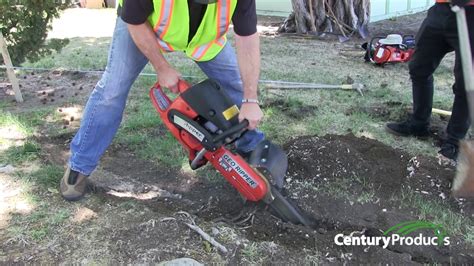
(104, 110)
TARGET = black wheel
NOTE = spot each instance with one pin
(285, 210)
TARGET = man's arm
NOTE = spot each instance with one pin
(248, 57)
(146, 41)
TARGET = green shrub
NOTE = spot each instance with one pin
(25, 24)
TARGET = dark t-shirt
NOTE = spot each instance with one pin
(244, 18)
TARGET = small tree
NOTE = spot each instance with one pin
(343, 17)
(25, 24)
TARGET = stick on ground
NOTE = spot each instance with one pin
(203, 234)
(207, 237)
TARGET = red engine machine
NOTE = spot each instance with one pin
(392, 49)
(205, 121)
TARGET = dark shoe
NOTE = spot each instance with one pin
(73, 185)
(449, 150)
(406, 129)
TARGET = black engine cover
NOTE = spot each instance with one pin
(209, 101)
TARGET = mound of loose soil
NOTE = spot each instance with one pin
(329, 176)
(336, 157)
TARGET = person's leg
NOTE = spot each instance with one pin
(104, 109)
(225, 70)
(431, 47)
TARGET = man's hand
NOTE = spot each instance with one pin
(251, 112)
(168, 77)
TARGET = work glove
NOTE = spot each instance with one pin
(460, 3)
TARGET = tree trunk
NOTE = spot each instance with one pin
(318, 17)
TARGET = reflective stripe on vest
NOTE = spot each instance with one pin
(163, 24)
(165, 46)
(200, 51)
(223, 16)
(223, 22)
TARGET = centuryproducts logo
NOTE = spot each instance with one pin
(400, 234)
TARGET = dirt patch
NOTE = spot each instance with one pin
(292, 108)
(54, 88)
(387, 111)
(347, 184)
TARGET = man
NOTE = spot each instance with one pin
(144, 30)
(437, 37)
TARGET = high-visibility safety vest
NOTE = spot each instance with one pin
(170, 21)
